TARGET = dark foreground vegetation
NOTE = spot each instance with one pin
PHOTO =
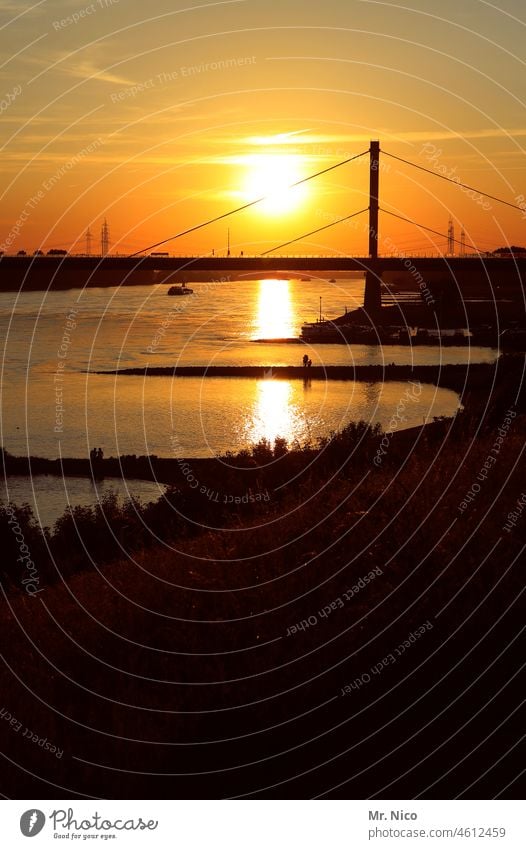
(344, 619)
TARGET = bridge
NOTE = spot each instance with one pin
(146, 265)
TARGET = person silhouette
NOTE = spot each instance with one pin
(96, 456)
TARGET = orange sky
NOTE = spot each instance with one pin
(158, 119)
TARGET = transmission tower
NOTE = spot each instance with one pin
(104, 238)
(89, 239)
(451, 238)
(462, 243)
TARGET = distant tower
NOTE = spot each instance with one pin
(89, 239)
(228, 242)
(451, 238)
(462, 243)
(104, 238)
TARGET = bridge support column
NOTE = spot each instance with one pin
(373, 296)
(372, 302)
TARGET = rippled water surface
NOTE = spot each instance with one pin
(53, 406)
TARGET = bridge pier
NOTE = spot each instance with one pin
(373, 293)
(372, 302)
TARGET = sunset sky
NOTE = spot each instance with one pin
(159, 118)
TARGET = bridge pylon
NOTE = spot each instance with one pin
(373, 295)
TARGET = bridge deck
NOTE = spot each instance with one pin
(34, 264)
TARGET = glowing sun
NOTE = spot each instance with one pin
(270, 176)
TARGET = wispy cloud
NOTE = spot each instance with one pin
(276, 139)
(87, 70)
(306, 137)
(87, 63)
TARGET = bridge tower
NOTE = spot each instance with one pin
(373, 296)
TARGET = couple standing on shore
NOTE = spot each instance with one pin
(306, 361)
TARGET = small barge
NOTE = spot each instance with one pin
(180, 290)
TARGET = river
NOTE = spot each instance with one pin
(52, 405)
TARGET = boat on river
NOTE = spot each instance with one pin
(180, 290)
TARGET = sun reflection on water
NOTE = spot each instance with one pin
(274, 414)
(274, 314)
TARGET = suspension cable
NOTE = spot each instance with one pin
(312, 232)
(423, 227)
(456, 182)
(247, 205)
